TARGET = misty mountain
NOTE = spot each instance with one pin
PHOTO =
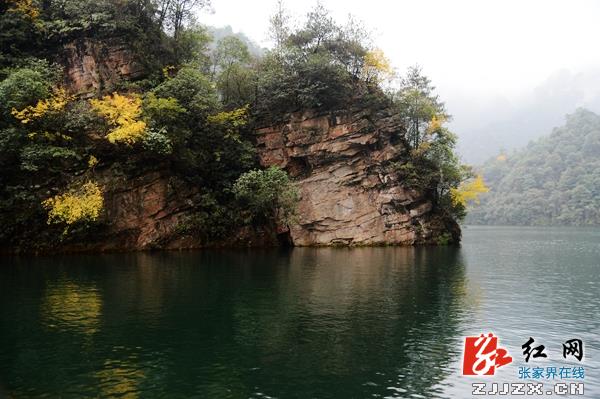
(219, 33)
(555, 180)
(503, 125)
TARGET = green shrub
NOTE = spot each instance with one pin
(157, 142)
(193, 90)
(37, 157)
(21, 88)
(267, 195)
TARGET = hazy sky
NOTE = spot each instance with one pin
(479, 53)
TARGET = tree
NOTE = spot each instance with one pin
(174, 14)
(230, 122)
(25, 7)
(33, 121)
(193, 91)
(351, 46)
(162, 113)
(230, 59)
(434, 166)
(318, 30)
(230, 50)
(20, 33)
(223, 152)
(123, 113)
(318, 65)
(554, 180)
(237, 86)
(279, 29)
(77, 205)
(419, 106)
(469, 191)
(376, 67)
(191, 46)
(23, 87)
(54, 104)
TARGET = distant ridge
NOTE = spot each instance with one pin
(555, 180)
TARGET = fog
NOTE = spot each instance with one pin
(488, 125)
(508, 70)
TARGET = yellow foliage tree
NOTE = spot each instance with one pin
(24, 7)
(435, 125)
(123, 113)
(82, 204)
(468, 192)
(92, 162)
(376, 66)
(230, 121)
(436, 122)
(56, 103)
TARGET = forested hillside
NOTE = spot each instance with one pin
(97, 94)
(553, 181)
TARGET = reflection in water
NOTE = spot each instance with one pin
(69, 306)
(323, 323)
(120, 378)
(347, 323)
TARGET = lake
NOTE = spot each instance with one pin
(299, 323)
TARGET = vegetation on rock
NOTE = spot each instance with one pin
(192, 111)
(82, 204)
(267, 194)
(468, 192)
(123, 113)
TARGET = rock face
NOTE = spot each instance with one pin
(342, 163)
(92, 66)
(144, 212)
(344, 166)
(149, 211)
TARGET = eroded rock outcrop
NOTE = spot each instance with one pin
(144, 212)
(94, 66)
(150, 211)
(343, 165)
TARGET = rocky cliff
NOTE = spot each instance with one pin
(344, 166)
(94, 66)
(150, 211)
(172, 188)
(343, 163)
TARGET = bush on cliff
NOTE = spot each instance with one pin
(267, 195)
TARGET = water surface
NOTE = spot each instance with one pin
(303, 323)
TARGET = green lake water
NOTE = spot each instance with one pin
(299, 323)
